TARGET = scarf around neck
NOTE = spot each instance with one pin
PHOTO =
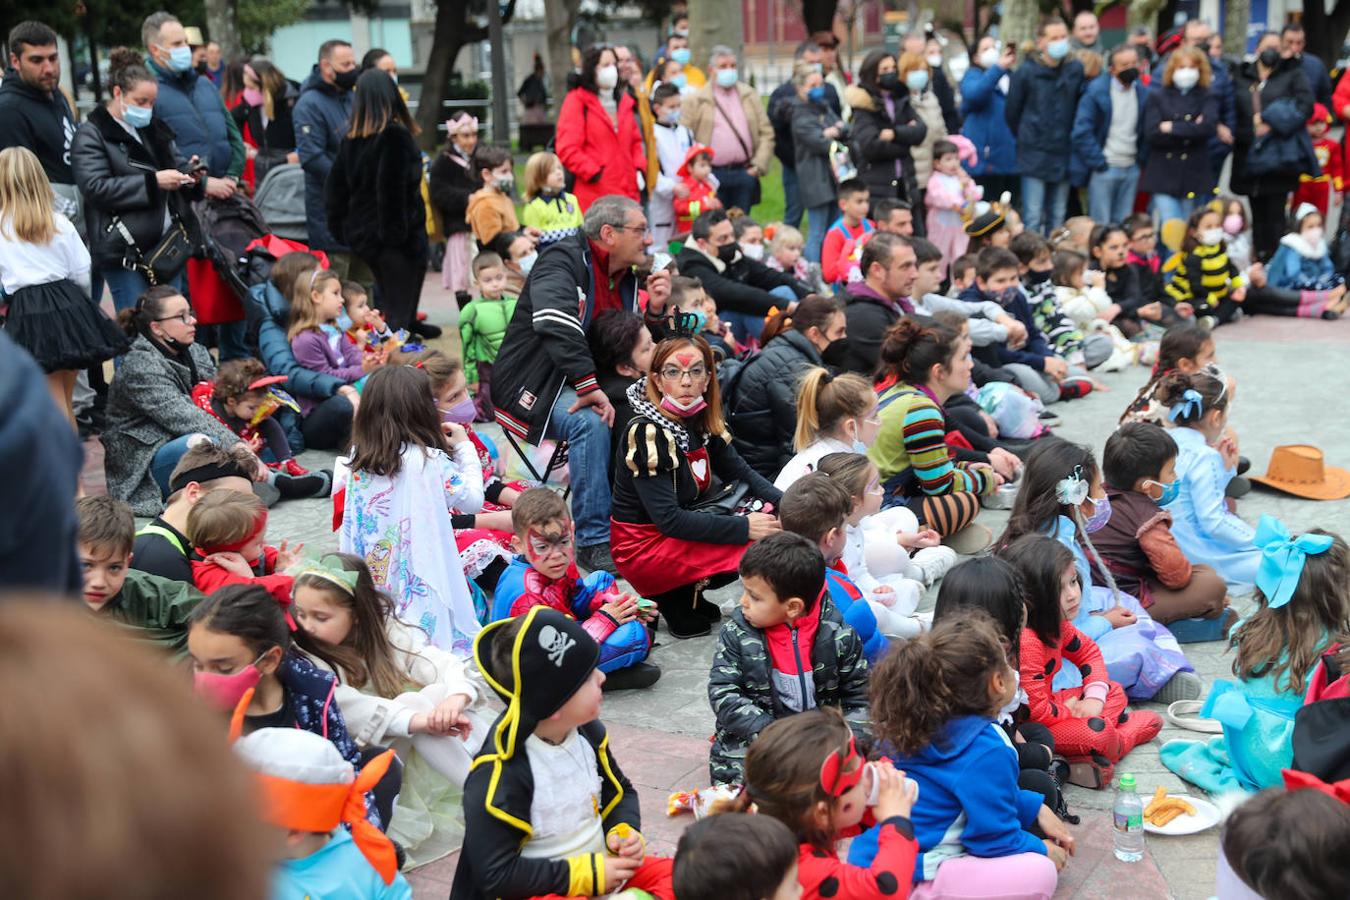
(637, 398)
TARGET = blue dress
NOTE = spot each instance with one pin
(1204, 528)
(337, 871)
(1142, 657)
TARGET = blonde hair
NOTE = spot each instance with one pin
(1192, 54)
(825, 400)
(304, 314)
(785, 236)
(26, 211)
(1091, 61)
(537, 169)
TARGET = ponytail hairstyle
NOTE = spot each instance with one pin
(852, 470)
(813, 312)
(1182, 341)
(1189, 398)
(304, 317)
(126, 69)
(825, 401)
(149, 307)
(948, 668)
(910, 350)
(991, 585)
(1041, 562)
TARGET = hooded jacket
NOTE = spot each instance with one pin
(868, 316)
(762, 408)
(972, 806)
(1298, 266)
(1039, 110)
(39, 121)
(320, 118)
(374, 193)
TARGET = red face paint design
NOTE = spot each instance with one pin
(687, 359)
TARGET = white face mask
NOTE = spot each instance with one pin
(1186, 78)
(606, 77)
(1311, 236)
(1211, 236)
(756, 251)
(935, 61)
(989, 57)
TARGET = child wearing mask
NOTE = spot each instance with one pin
(1318, 190)
(482, 326)
(700, 184)
(1303, 261)
(673, 142)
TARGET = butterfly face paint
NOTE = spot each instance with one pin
(550, 553)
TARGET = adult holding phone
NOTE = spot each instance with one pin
(134, 179)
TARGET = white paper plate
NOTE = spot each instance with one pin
(1206, 816)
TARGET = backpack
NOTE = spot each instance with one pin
(1321, 736)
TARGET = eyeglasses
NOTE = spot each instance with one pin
(640, 229)
(674, 373)
(185, 316)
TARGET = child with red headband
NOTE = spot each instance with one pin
(227, 529)
(308, 791)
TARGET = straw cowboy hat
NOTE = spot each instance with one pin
(1300, 469)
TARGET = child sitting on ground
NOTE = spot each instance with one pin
(548, 206)
(962, 274)
(1206, 278)
(807, 772)
(395, 690)
(547, 809)
(1075, 234)
(785, 255)
(987, 229)
(1303, 608)
(1036, 268)
(696, 176)
(844, 236)
(1285, 842)
(363, 323)
(1090, 724)
(951, 191)
(1303, 261)
(157, 608)
(316, 340)
(544, 573)
(736, 856)
(1237, 232)
(1108, 250)
(757, 676)
(1083, 298)
(243, 398)
(1143, 255)
(482, 326)
(227, 530)
(690, 298)
(978, 832)
(1187, 347)
(309, 791)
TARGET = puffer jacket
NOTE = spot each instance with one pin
(762, 410)
(1286, 90)
(1040, 108)
(374, 193)
(876, 159)
(320, 118)
(982, 103)
(740, 685)
(270, 313)
(116, 175)
(605, 157)
(929, 111)
(815, 175)
(191, 106)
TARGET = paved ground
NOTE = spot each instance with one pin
(1286, 370)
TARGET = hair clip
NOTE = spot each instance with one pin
(1191, 405)
(316, 566)
(1072, 490)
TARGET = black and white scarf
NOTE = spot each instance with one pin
(637, 398)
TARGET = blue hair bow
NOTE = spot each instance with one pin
(1282, 558)
(1191, 405)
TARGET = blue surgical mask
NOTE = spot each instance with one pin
(679, 80)
(526, 263)
(916, 80)
(700, 319)
(672, 117)
(137, 116)
(727, 78)
(859, 447)
(1058, 49)
(681, 56)
(180, 58)
(816, 94)
(1170, 491)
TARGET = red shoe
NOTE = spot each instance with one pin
(294, 469)
(421, 316)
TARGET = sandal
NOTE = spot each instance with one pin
(1186, 714)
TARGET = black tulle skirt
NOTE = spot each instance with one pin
(61, 327)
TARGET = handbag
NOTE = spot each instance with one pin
(166, 259)
(722, 499)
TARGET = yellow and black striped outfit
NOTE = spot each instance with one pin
(1206, 279)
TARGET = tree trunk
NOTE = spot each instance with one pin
(560, 17)
(222, 28)
(1237, 16)
(818, 15)
(1018, 24)
(450, 32)
(1145, 12)
(1326, 30)
(713, 22)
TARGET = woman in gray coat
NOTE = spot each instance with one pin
(814, 127)
(151, 416)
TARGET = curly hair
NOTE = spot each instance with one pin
(235, 375)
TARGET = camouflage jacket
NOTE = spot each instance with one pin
(740, 686)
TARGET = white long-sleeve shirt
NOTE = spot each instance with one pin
(24, 265)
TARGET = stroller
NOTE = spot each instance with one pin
(226, 227)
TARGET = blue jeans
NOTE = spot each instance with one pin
(819, 219)
(1043, 204)
(128, 285)
(792, 198)
(751, 325)
(735, 187)
(166, 459)
(1167, 207)
(588, 448)
(1111, 194)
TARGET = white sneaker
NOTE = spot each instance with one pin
(933, 563)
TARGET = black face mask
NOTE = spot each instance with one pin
(1270, 57)
(1034, 277)
(727, 252)
(889, 82)
(1127, 76)
(835, 353)
(346, 80)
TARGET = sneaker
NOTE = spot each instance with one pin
(974, 538)
(1181, 686)
(596, 558)
(1209, 323)
(1074, 387)
(933, 563)
(1244, 464)
(316, 484)
(631, 678)
(291, 467)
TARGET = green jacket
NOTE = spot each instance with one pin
(482, 325)
(157, 608)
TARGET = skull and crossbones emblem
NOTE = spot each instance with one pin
(555, 643)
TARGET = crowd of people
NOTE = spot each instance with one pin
(822, 414)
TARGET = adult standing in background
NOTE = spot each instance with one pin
(917, 78)
(1198, 33)
(828, 44)
(1293, 44)
(1087, 32)
(1042, 101)
(598, 137)
(814, 127)
(320, 118)
(213, 61)
(1106, 137)
(265, 115)
(917, 42)
(984, 93)
(728, 116)
(533, 95)
(885, 127)
(779, 111)
(1179, 119)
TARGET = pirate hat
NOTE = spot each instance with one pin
(986, 223)
(551, 656)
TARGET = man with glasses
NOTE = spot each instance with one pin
(544, 380)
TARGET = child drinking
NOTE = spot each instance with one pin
(736, 856)
(453, 180)
(362, 322)
(317, 342)
(227, 529)
(394, 690)
(950, 192)
(785, 255)
(978, 832)
(548, 207)
(482, 326)
(807, 772)
(700, 188)
(756, 676)
(1143, 256)
(1303, 261)
(1091, 726)
(1206, 278)
(1303, 608)
(543, 573)
(405, 474)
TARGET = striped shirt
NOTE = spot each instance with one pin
(1204, 278)
(913, 437)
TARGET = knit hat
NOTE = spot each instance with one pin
(1320, 114)
(551, 658)
(308, 786)
(694, 152)
(985, 223)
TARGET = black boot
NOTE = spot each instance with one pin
(638, 675)
(682, 618)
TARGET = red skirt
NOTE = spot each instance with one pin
(654, 563)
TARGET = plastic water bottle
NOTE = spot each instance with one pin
(1128, 813)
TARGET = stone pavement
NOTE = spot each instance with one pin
(1289, 372)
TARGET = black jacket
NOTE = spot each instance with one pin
(1042, 101)
(1178, 160)
(946, 97)
(868, 319)
(876, 158)
(116, 175)
(762, 410)
(545, 346)
(742, 286)
(780, 117)
(452, 181)
(1287, 82)
(41, 122)
(374, 193)
(275, 139)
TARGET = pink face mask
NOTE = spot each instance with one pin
(253, 97)
(694, 407)
(1232, 223)
(461, 413)
(225, 691)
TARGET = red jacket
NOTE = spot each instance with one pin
(687, 209)
(604, 159)
(209, 577)
(1040, 662)
(890, 875)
